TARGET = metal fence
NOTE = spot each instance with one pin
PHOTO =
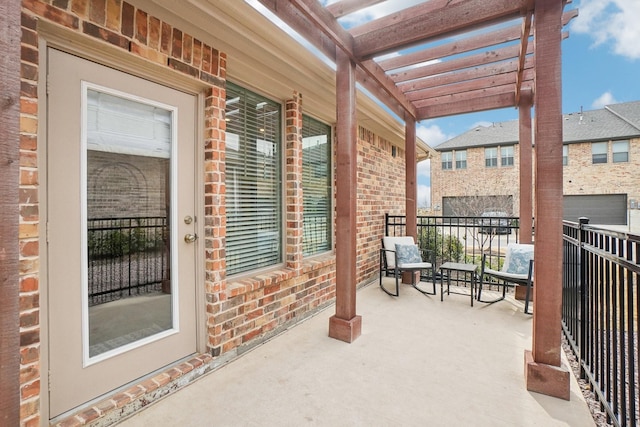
(127, 256)
(600, 303)
(459, 239)
(601, 271)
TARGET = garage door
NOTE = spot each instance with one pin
(610, 209)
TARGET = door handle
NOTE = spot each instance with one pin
(190, 238)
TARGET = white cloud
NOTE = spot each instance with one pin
(431, 134)
(482, 123)
(611, 22)
(604, 99)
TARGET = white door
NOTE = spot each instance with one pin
(121, 228)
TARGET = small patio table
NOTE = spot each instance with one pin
(459, 267)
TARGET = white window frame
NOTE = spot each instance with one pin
(506, 155)
(461, 159)
(620, 151)
(599, 152)
(447, 160)
(491, 157)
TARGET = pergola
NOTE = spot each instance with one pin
(452, 57)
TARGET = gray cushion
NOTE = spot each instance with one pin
(408, 254)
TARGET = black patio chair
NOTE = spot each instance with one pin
(400, 254)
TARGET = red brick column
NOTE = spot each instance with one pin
(543, 370)
(293, 182)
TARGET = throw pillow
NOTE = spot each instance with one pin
(408, 254)
(519, 261)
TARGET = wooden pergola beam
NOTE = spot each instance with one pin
(489, 57)
(524, 41)
(318, 19)
(479, 41)
(468, 105)
(491, 81)
(469, 44)
(429, 21)
(454, 77)
(345, 7)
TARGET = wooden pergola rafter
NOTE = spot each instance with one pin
(440, 58)
(443, 45)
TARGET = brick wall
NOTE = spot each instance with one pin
(381, 189)
(242, 312)
(476, 179)
(580, 175)
(121, 25)
(123, 186)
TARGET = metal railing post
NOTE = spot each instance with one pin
(583, 323)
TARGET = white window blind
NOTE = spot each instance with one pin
(253, 181)
(316, 186)
(119, 125)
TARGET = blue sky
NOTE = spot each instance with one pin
(600, 66)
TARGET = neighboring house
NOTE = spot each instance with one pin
(601, 157)
(167, 160)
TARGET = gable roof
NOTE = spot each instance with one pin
(616, 121)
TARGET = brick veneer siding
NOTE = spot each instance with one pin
(476, 179)
(580, 175)
(122, 25)
(381, 189)
(241, 312)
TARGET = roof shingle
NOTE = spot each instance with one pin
(616, 121)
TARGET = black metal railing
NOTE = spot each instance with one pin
(126, 257)
(601, 271)
(459, 239)
(600, 296)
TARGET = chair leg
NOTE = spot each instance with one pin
(385, 289)
(526, 298)
(415, 286)
(504, 291)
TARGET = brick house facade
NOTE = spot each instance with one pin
(236, 313)
(614, 130)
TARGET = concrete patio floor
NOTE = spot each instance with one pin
(418, 362)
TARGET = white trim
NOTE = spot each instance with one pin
(87, 359)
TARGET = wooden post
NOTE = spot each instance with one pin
(526, 171)
(9, 213)
(543, 370)
(345, 325)
(411, 187)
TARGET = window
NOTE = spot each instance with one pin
(316, 186)
(253, 181)
(565, 155)
(620, 151)
(506, 156)
(599, 152)
(461, 159)
(447, 160)
(491, 157)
